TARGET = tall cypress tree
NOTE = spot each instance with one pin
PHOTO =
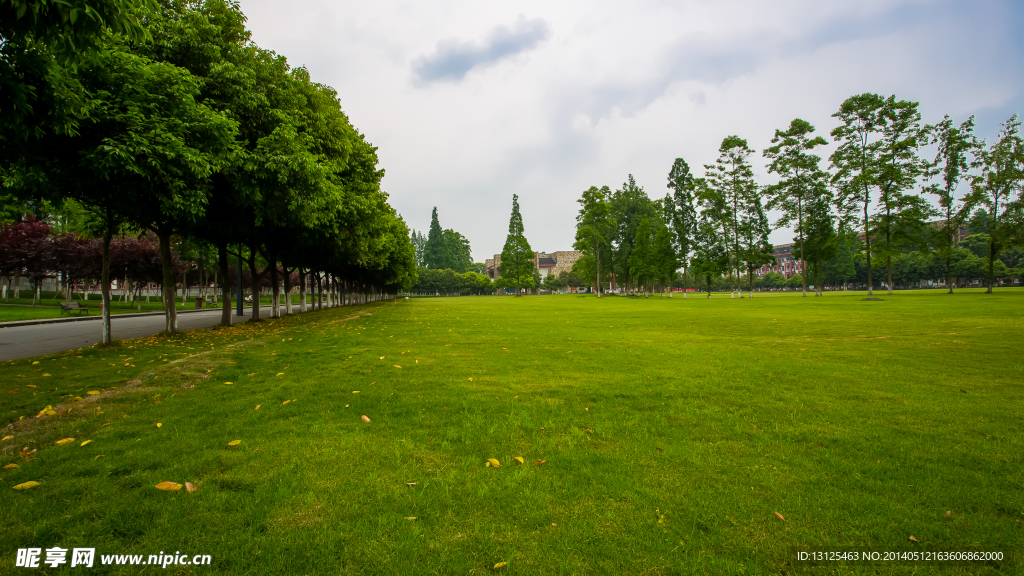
(683, 220)
(517, 256)
(433, 251)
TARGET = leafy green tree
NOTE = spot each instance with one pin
(801, 179)
(754, 248)
(628, 205)
(420, 242)
(149, 147)
(552, 283)
(42, 43)
(517, 264)
(840, 269)
(821, 241)
(956, 145)
(998, 188)
(594, 228)
(457, 251)
(855, 161)
(642, 258)
(732, 179)
(666, 261)
(773, 280)
(682, 213)
(899, 218)
(711, 257)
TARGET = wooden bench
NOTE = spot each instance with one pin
(70, 306)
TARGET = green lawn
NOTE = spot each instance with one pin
(673, 432)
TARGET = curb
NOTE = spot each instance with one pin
(17, 323)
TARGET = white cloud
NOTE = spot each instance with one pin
(472, 102)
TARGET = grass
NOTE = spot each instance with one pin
(673, 430)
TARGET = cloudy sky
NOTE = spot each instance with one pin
(472, 102)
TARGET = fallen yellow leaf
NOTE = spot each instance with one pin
(285, 402)
(912, 539)
(355, 391)
(190, 487)
(10, 466)
(280, 373)
(539, 462)
(26, 485)
(35, 362)
(168, 486)
(365, 418)
(520, 459)
(500, 565)
(253, 374)
(258, 406)
(410, 517)
(234, 443)
(45, 374)
(51, 413)
(98, 457)
(494, 462)
(159, 425)
(6, 438)
(780, 517)
(84, 443)
(397, 366)
(381, 357)
(949, 513)
(227, 382)
(64, 441)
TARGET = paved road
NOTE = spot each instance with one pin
(24, 341)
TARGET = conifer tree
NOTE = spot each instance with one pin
(517, 256)
(683, 213)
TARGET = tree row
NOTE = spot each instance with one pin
(165, 118)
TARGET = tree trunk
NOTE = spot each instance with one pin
(222, 264)
(302, 289)
(254, 285)
(597, 262)
(888, 266)
(287, 291)
(318, 297)
(105, 285)
(803, 253)
(275, 290)
(867, 241)
(684, 282)
(991, 262)
(167, 287)
(184, 285)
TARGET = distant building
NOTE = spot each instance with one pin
(785, 263)
(546, 263)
